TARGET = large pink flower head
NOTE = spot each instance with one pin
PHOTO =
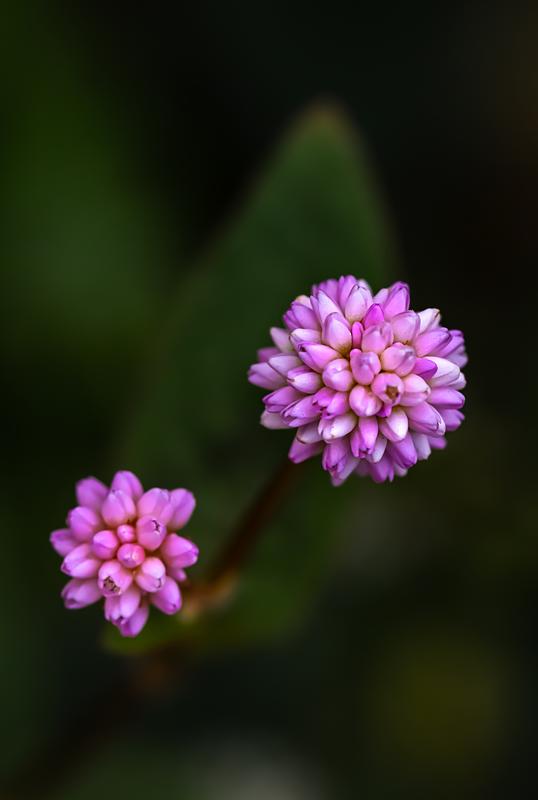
(120, 544)
(362, 379)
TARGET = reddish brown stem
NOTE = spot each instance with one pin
(245, 536)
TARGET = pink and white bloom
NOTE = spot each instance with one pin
(370, 384)
(121, 545)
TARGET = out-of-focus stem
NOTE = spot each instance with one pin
(226, 570)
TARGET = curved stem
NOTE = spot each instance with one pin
(245, 536)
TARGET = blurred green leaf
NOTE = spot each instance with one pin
(88, 243)
(314, 215)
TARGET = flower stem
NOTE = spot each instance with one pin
(226, 569)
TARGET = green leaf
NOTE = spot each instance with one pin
(314, 215)
(86, 241)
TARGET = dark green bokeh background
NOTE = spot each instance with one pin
(384, 643)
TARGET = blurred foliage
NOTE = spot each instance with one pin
(438, 703)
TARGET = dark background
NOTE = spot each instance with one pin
(131, 136)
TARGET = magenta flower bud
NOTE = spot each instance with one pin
(431, 341)
(128, 483)
(363, 402)
(446, 397)
(337, 375)
(357, 303)
(264, 376)
(150, 576)
(405, 326)
(388, 387)
(364, 366)
(397, 301)
(452, 418)
(338, 426)
(424, 418)
(454, 348)
(428, 319)
(156, 503)
(112, 562)
(384, 411)
(447, 373)
(364, 437)
(265, 353)
(305, 316)
(317, 356)
(398, 358)
(272, 421)
(301, 412)
(324, 305)
(338, 460)
(80, 593)
(424, 368)
(284, 362)
(118, 508)
(395, 427)
(356, 334)
(377, 338)
(422, 445)
(379, 450)
(416, 390)
(374, 317)
(290, 321)
(299, 451)
(460, 382)
(346, 284)
(105, 544)
(337, 333)
(309, 434)
(131, 627)
(281, 399)
(183, 504)
(404, 452)
(167, 599)
(131, 555)
(83, 523)
(113, 578)
(179, 552)
(302, 336)
(322, 398)
(63, 541)
(81, 562)
(339, 405)
(367, 370)
(304, 380)
(177, 573)
(126, 533)
(383, 470)
(91, 493)
(150, 533)
(407, 364)
(120, 608)
(281, 338)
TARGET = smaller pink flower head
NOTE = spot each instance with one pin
(121, 544)
(370, 384)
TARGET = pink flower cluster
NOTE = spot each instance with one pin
(362, 379)
(120, 544)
